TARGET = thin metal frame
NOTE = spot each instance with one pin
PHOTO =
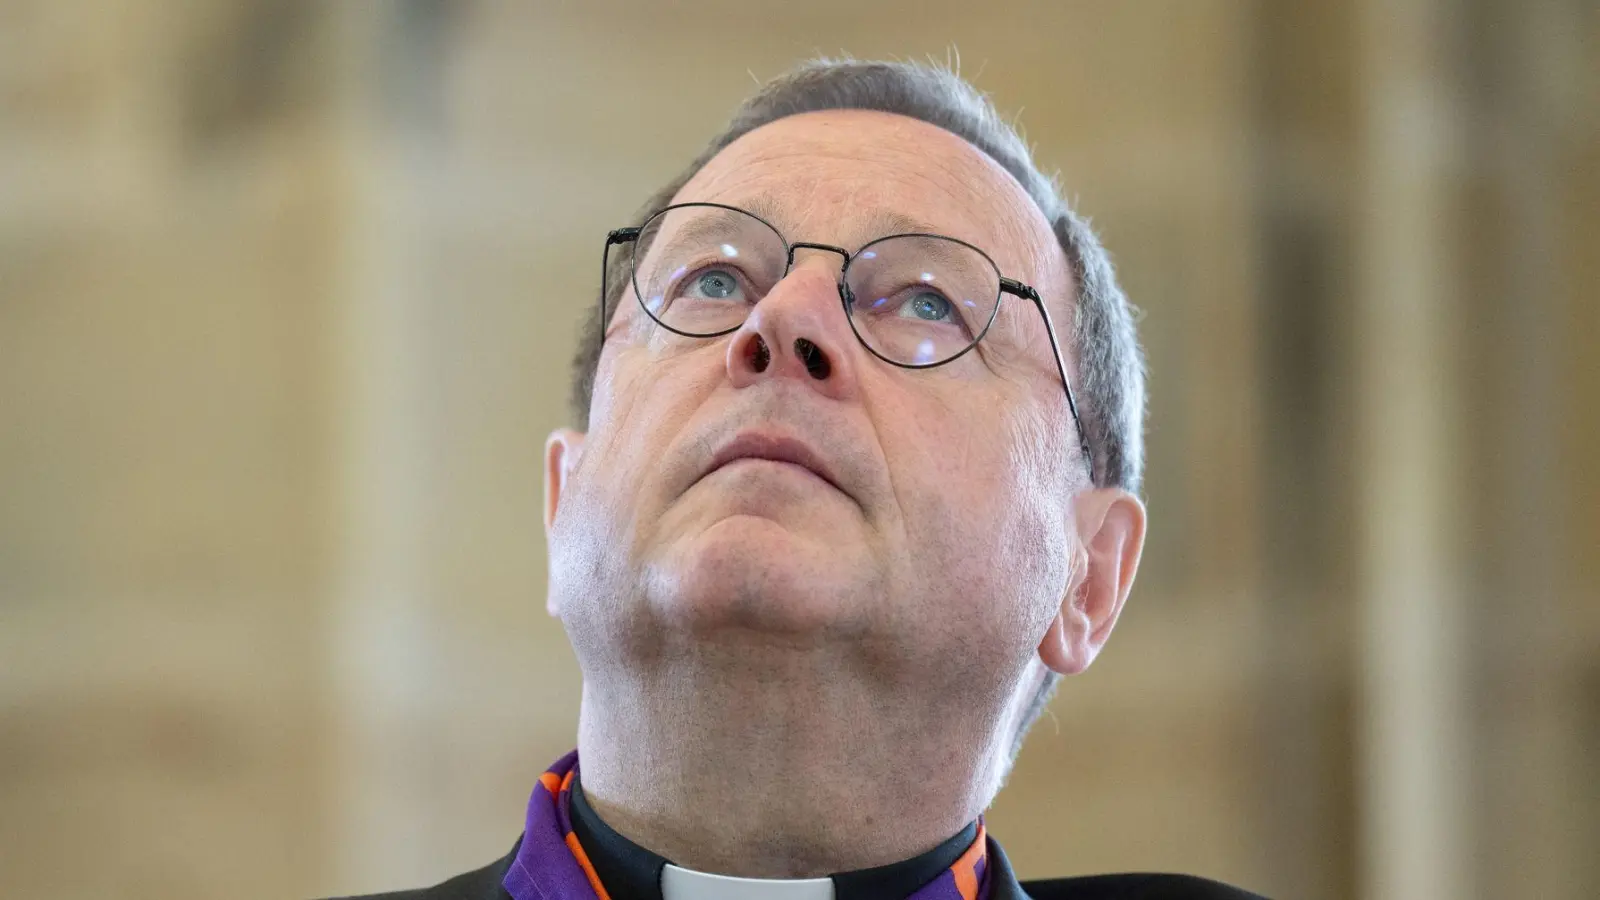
(846, 297)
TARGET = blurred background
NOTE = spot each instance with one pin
(288, 291)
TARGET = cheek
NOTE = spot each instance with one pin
(1041, 538)
(645, 379)
(639, 405)
(986, 522)
(643, 402)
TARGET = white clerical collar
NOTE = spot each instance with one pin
(678, 883)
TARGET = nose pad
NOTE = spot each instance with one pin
(815, 360)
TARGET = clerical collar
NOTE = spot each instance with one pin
(686, 884)
(630, 872)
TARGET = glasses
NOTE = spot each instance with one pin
(913, 300)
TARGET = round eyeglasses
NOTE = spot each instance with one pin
(913, 300)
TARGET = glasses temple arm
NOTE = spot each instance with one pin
(1027, 292)
(616, 236)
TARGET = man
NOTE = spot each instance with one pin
(862, 434)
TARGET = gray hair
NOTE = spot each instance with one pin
(1107, 365)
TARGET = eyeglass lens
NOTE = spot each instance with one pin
(917, 300)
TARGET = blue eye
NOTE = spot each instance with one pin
(714, 284)
(928, 307)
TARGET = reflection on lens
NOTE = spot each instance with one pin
(933, 298)
(701, 267)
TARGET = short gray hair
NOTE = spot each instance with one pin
(1106, 362)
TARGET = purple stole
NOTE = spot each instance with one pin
(551, 864)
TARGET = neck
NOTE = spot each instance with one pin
(798, 773)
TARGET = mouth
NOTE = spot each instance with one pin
(767, 447)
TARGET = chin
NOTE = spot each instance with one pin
(752, 573)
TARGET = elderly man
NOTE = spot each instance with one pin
(855, 485)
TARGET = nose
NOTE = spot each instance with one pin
(798, 330)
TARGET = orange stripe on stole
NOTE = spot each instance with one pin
(966, 867)
(588, 870)
(551, 782)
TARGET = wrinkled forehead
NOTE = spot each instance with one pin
(846, 177)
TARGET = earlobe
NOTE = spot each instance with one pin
(1111, 524)
(561, 451)
(1061, 650)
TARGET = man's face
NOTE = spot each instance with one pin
(929, 538)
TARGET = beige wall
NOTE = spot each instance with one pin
(287, 294)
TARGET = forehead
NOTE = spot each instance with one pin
(846, 177)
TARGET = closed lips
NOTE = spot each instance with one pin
(776, 449)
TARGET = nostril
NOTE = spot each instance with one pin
(815, 360)
(757, 354)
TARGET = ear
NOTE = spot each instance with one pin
(1111, 536)
(561, 452)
